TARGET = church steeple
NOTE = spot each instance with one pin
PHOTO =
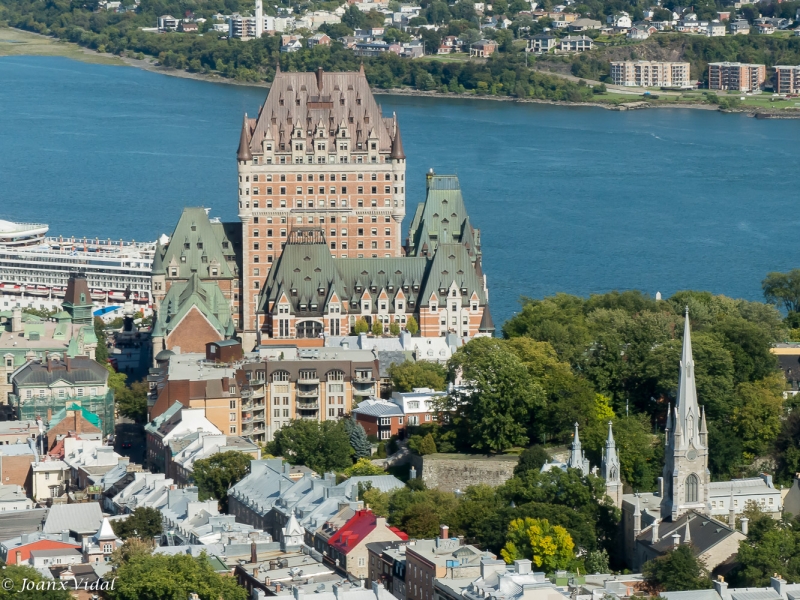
(576, 457)
(686, 474)
(610, 469)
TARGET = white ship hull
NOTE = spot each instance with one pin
(39, 267)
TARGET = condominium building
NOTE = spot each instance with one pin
(787, 79)
(321, 154)
(646, 73)
(736, 76)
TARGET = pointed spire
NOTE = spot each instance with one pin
(610, 443)
(687, 535)
(361, 69)
(703, 425)
(244, 142)
(576, 456)
(397, 145)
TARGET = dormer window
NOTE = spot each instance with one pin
(294, 292)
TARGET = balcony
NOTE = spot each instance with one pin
(308, 406)
(363, 378)
(247, 393)
(308, 381)
(308, 393)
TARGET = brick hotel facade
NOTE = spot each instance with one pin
(320, 154)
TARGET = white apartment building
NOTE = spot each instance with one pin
(645, 73)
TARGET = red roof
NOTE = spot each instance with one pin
(25, 549)
(356, 529)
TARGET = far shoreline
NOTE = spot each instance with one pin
(147, 65)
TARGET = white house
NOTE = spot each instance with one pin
(715, 29)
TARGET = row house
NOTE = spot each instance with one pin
(387, 418)
(174, 423)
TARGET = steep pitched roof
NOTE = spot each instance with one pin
(442, 219)
(301, 102)
(194, 293)
(355, 530)
(197, 245)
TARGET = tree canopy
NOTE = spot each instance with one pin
(549, 547)
(321, 446)
(420, 374)
(144, 522)
(676, 571)
(219, 472)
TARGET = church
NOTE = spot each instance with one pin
(688, 507)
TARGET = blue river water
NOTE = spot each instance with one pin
(568, 199)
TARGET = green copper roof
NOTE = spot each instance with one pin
(206, 297)
(197, 245)
(441, 219)
(89, 416)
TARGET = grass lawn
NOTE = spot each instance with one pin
(457, 57)
(21, 43)
(766, 101)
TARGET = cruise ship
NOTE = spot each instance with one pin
(34, 266)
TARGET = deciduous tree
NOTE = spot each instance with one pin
(550, 547)
(144, 522)
(410, 375)
(321, 446)
(676, 571)
(216, 474)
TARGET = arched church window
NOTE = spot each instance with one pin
(691, 488)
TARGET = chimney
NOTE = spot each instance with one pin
(655, 530)
(277, 586)
(16, 319)
(65, 535)
(745, 522)
(660, 487)
(412, 474)
(253, 552)
(721, 587)
(444, 532)
(522, 567)
(19, 558)
(49, 415)
(255, 572)
(676, 540)
(778, 584)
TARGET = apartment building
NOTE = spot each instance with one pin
(318, 384)
(646, 73)
(320, 152)
(787, 79)
(736, 76)
(428, 561)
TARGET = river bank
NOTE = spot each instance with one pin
(17, 42)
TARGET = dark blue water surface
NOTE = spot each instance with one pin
(571, 199)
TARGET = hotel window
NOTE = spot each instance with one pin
(374, 231)
(387, 244)
(387, 231)
(233, 429)
(256, 272)
(283, 191)
(269, 190)
(79, 392)
(232, 417)
(233, 404)
(255, 246)
(256, 285)
(360, 189)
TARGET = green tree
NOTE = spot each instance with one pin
(412, 326)
(772, 548)
(757, 416)
(787, 448)
(597, 562)
(363, 467)
(377, 328)
(677, 571)
(377, 500)
(16, 575)
(394, 328)
(322, 447)
(783, 289)
(219, 472)
(132, 401)
(101, 352)
(358, 440)
(550, 547)
(361, 326)
(421, 374)
(157, 576)
(502, 397)
(427, 445)
(143, 522)
(531, 459)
